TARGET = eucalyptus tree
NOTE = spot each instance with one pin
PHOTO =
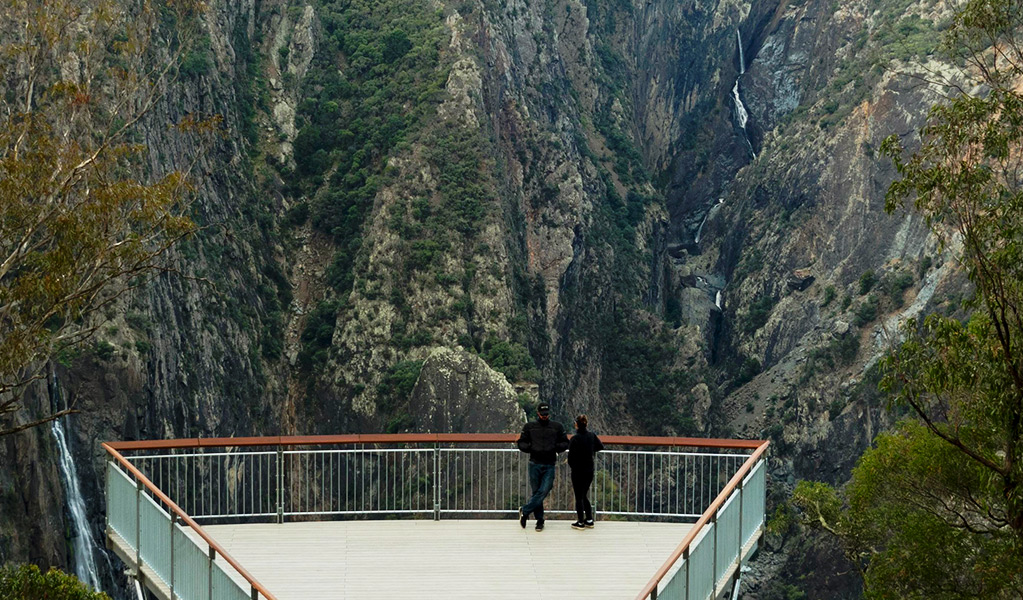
(935, 508)
(83, 218)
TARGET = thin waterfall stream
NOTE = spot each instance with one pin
(740, 109)
(83, 543)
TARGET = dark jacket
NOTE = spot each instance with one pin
(543, 440)
(581, 450)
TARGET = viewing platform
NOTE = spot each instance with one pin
(429, 516)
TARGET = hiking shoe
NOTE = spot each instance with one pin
(589, 523)
(522, 518)
(539, 525)
(578, 525)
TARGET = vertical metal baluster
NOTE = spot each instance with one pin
(280, 484)
(436, 482)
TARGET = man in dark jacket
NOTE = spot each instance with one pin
(542, 439)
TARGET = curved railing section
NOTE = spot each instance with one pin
(153, 534)
(710, 556)
(717, 483)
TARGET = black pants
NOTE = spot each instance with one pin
(581, 480)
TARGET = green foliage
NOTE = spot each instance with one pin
(104, 350)
(829, 295)
(935, 509)
(759, 312)
(867, 281)
(352, 119)
(397, 384)
(749, 369)
(196, 62)
(297, 215)
(28, 582)
(81, 223)
(838, 352)
(641, 365)
(317, 336)
(512, 359)
(895, 284)
(866, 311)
(915, 519)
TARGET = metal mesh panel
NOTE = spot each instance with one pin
(155, 537)
(727, 536)
(674, 583)
(216, 484)
(191, 568)
(701, 566)
(121, 504)
(226, 588)
(754, 488)
(484, 480)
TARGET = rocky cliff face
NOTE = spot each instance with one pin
(562, 189)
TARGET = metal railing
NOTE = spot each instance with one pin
(147, 526)
(719, 483)
(713, 551)
(253, 484)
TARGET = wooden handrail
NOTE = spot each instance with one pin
(175, 509)
(416, 438)
(733, 483)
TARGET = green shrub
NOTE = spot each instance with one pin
(104, 350)
(397, 385)
(829, 295)
(758, 314)
(317, 336)
(510, 358)
(866, 311)
(749, 369)
(28, 582)
(895, 285)
(867, 281)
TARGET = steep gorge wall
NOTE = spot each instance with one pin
(567, 195)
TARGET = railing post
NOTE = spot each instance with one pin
(254, 592)
(280, 484)
(714, 557)
(738, 556)
(436, 482)
(212, 554)
(689, 582)
(138, 526)
(172, 519)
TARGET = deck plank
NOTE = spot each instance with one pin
(450, 558)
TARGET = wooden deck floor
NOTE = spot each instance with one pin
(450, 558)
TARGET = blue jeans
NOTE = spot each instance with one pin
(541, 479)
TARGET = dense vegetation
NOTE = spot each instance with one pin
(28, 582)
(935, 508)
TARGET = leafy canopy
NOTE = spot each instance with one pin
(28, 582)
(82, 219)
(935, 509)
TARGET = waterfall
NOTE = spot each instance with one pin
(740, 110)
(84, 545)
(710, 213)
(699, 230)
(742, 59)
(717, 300)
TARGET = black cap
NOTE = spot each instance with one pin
(543, 409)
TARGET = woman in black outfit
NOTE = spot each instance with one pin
(581, 449)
